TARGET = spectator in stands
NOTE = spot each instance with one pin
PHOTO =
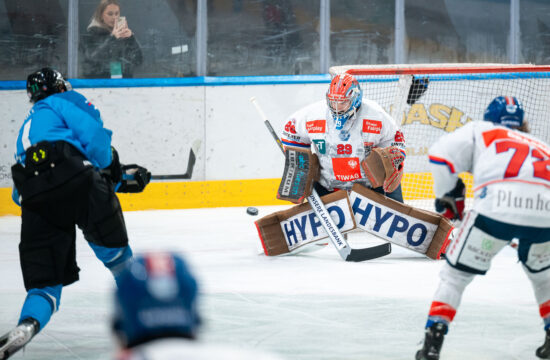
(110, 47)
(156, 313)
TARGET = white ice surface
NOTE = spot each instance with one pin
(311, 306)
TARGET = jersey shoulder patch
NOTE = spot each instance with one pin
(316, 126)
(372, 126)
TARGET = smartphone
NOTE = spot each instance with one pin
(121, 22)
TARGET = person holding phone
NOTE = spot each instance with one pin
(110, 47)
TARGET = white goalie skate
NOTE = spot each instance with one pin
(14, 340)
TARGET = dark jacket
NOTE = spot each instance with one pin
(101, 48)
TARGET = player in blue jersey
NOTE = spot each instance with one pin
(156, 314)
(66, 175)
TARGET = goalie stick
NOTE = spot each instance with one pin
(335, 236)
(190, 165)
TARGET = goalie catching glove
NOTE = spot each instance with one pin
(384, 167)
(451, 205)
(127, 178)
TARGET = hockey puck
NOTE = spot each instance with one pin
(251, 210)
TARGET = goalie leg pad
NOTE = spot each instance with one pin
(416, 229)
(294, 229)
(301, 170)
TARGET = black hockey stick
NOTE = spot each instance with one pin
(335, 236)
(190, 165)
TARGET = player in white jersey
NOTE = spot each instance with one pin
(156, 314)
(511, 171)
(342, 132)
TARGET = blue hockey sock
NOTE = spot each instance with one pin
(40, 304)
(114, 259)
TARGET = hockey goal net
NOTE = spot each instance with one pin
(433, 99)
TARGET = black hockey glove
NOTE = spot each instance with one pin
(113, 171)
(134, 179)
(417, 89)
(451, 205)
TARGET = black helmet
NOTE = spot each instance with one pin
(45, 82)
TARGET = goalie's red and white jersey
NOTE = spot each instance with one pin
(511, 171)
(340, 156)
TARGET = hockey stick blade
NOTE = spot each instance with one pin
(369, 253)
(190, 166)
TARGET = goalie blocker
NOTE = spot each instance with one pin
(301, 170)
(293, 230)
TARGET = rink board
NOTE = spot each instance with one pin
(224, 193)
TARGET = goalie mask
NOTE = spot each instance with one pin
(156, 297)
(45, 82)
(344, 98)
(506, 111)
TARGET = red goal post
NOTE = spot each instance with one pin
(454, 94)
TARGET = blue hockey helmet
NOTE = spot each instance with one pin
(156, 297)
(344, 98)
(506, 111)
(45, 82)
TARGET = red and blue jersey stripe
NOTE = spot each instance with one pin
(440, 161)
(295, 143)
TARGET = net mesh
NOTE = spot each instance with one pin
(431, 100)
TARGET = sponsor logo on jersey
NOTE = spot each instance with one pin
(316, 126)
(487, 244)
(344, 135)
(321, 146)
(346, 169)
(372, 126)
(399, 137)
(392, 225)
(290, 127)
(513, 201)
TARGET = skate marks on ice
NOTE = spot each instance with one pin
(312, 306)
(309, 327)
